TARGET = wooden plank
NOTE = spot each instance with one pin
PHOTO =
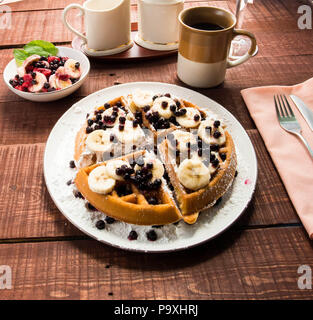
(39, 5)
(54, 30)
(260, 18)
(27, 211)
(287, 70)
(253, 264)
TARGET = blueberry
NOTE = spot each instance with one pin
(223, 156)
(173, 108)
(109, 220)
(100, 224)
(90, 207)
(151, 235)
(122, 120)
(146, 108)
(135, 123)
(77, 194)
(90, 122)
(196, 117)
(133, 235)
(168, 95)
(89, 130)
(72, 164)
(183, 112)
(216, 123)
(216, 134)
(215, 163)
(149, 165)
(214, 147)
(77, 65)
(164, 104)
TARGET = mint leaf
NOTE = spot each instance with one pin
(40, 47)
(36, 50)
(20, 55)
(46, 48)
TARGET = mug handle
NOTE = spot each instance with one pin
(65, 11)
(245, 57)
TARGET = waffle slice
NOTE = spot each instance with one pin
(133, 205)
(164, 120)
(107, 118)
(190, 201)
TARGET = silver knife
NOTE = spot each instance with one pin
(305, 111)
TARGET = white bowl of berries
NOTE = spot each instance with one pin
(44, 72)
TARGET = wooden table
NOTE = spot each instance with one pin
(257, 258)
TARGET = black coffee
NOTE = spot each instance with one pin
(206, 26)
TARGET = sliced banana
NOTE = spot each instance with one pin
(60, 82)
(183, 138)
(130, 135)
(30, 60)
(112, 165)
(193, 174)
(162, 106)
(40, 80)
(207, 135)
(71, 68)
(99, 181)
(142, 98)
(52, 81)
(99, 141)
(190, 119)
(157, 169)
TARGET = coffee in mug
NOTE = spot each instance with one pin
(205, 38)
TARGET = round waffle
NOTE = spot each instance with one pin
(134, 207)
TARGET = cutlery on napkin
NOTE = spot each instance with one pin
(292, 161)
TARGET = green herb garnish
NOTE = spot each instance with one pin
(40, 47)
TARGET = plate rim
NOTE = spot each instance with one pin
(147, 250)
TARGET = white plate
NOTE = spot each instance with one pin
(59, 151)
(11, 70)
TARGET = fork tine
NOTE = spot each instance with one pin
(284, 106)
(276, 107)
(288, 105)
(280, 107)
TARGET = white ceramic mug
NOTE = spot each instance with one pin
(158, 27)
(107, 24)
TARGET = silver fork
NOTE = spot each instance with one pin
(287, 119)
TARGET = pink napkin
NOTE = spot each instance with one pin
(288, 153)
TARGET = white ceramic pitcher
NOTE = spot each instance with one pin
(158, 27)
(107, 24)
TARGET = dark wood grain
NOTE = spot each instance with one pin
(27, 211)
(251, 264)
(54, 30)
